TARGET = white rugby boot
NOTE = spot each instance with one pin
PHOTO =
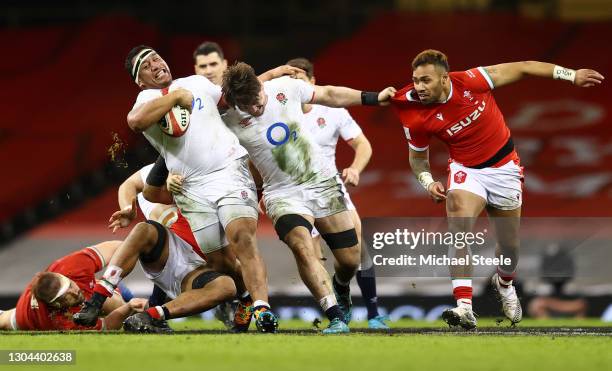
(460, 316)
(511, 305)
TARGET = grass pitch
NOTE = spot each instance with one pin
(410, 345)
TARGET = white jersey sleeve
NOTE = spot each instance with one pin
(207, 87)
(305, 91)
(147, 95)
(348, 128)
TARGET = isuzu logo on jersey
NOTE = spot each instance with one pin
(466, 121)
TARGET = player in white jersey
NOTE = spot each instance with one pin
(299, 186)
(218, 198)
(328, 125)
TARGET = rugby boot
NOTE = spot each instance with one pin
(460, 316)
(242, 316)
(265, 320)
(336, 326)
(378, 323)
(144, 323)
(511, 306)
(225, 311)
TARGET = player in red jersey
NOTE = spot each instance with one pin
(53, 296)
(485, 173)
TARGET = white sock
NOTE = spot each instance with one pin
(262, 303)
(328, 302)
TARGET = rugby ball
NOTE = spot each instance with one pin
(176, 122)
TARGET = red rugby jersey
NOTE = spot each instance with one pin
(81, 267)
(469, 122)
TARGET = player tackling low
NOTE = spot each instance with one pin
(485, 173)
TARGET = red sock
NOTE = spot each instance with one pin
(155, 313)
(507, 278)
(463, 294)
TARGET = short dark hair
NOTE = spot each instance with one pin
(431, 56)
(304, 64)
(129, 64)
(206, 48)
(45, 286)
(240, 85)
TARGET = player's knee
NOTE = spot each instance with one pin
(286, 226)
(222, 286)
(153, 236)
(243, 240)
(454, 203)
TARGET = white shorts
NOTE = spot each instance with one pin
(347, 199)
(230, 195)
(182, 260)
(319, 201)
(501, 187)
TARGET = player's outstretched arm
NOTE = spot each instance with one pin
(144, 115)
(363, 152)
(419, 162)
(280, 71)
(507, 73)
(340, 96)
(127, 195)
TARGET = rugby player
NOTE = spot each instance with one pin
(299, 187)
(327, 124)
(218, 199)
(166, 215)
(209, 61)
(484, 169)
(54, 295)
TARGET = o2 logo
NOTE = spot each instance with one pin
(282, 134)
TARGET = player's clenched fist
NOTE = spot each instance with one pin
(184, 98)
(385, 95)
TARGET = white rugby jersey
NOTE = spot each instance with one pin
(327, 124)
(279, 143)
(207, 145)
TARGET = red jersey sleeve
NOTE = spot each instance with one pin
(406, 109)
(475, 79)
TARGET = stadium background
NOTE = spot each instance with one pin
(65, 96)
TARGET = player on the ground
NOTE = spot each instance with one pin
(219, 198)
(299, 187)
(485, 172)
(173, 264)
(167, 215)
(327, 125)
(210, 62)
(54, 295)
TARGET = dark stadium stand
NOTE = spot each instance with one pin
(61, 130)
(65, 92)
